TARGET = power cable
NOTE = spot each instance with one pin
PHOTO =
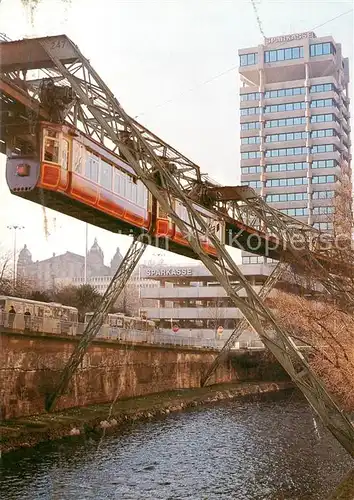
(229, 70)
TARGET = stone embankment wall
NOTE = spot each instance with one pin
(31, 365)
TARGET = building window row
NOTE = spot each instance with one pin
(284, 92)
(289, 106)
(286, 152)
(252, 260)
(251, 140)
(323, 226)
(323, 103)
(249, 59)
(295, 212)
(250, 111)
(288, 92)
(301, 150)
(323, 87)
(322, 49)
(327, 132)
(293, 181)
(251, 170)
(323, 148)
(322, 195)
(252, 96)
(250, 155)
(283, 54)
(250, 125)
(323, 179)
(275, 198)
(291, 136)
(330, 117)
(252, 184)
(284, 167)
(286, 122)
(324, 164)
(323, 210)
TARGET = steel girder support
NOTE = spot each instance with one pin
(107, 116)
(292, 234)
(264, 292)
(112, 293)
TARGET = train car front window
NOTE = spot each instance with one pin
(51, 150)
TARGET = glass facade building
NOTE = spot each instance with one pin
(295, 125)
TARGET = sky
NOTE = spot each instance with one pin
(171, 63)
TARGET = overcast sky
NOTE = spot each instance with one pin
(156, 56)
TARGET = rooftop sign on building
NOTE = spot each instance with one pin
(170, 271)
(289, 38)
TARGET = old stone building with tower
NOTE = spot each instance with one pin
(66, 268)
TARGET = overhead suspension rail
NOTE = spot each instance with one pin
(168, 175)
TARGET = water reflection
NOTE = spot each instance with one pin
(248, 451)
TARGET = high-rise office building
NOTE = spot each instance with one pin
(295, 125)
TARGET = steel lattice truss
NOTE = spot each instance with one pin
(110, 296)
(168, 175)
(263, 294)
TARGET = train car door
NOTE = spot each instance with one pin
(164, 226)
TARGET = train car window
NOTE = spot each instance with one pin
(51, 150)
(106, 175)
(141, 201)
(119, 184)
(134, 192)
(116, 181)
(56, 313)
(73, 316)
(78, 157)
(91, 167)
(65, 154)
(129, 187)
(40, 312)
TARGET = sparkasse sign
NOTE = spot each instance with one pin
(289, 38)
(169, 271)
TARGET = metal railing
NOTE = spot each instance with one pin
(60, 326)
(33, 324)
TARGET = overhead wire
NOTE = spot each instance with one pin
(259, 22)
(229, 70)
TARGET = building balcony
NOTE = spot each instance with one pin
(323, 125)
(192, 292)
(285, 174)
(250, 147)
(325, 140)
(282, 130)
(284, 114)
(302, 188)
(271, 160)
(177, 313)
(335, 155)
(285, 144)
(289, 204)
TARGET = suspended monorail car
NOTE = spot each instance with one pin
(72, 173)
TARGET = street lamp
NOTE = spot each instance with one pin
(15, 228)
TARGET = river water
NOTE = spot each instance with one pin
(265, 450)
